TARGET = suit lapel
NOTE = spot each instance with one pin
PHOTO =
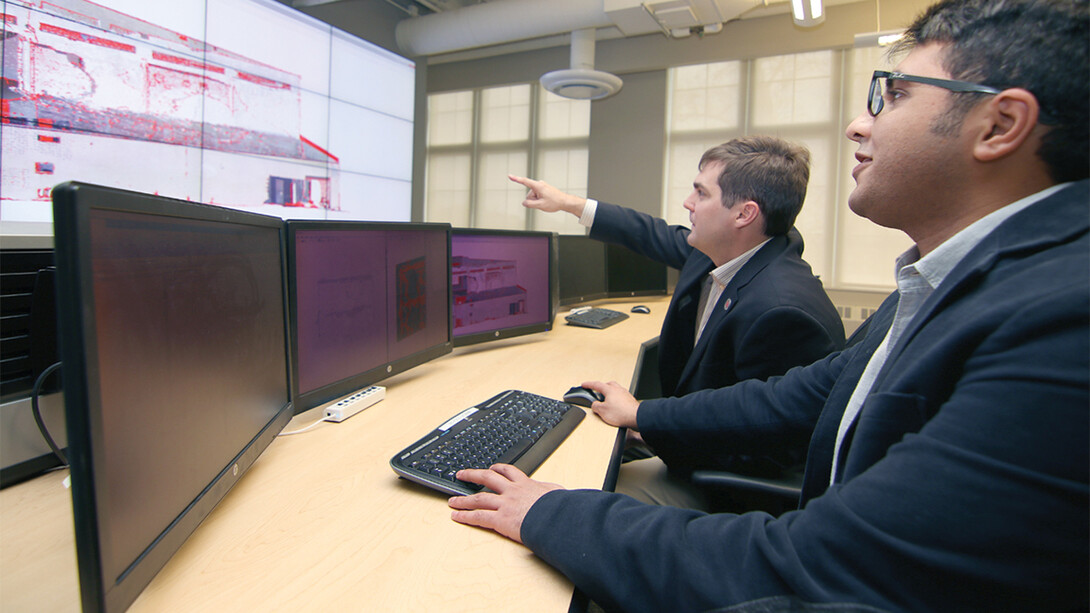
(678, 331)
(1053, 220)
(819, 457)
(1056, 219)
(728, 300)
(760, 260)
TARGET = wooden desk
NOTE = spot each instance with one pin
(321, 523)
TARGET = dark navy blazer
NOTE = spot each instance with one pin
(965, 481)
(772, 316)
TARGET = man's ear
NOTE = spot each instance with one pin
(746, 213)
(1007, 120)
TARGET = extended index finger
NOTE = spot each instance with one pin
(526, 182)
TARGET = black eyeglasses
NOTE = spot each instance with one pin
(875, 102)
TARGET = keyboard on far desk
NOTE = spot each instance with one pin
(512, 427)
(595, 317)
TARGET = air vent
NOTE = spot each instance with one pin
(18, 270)
(581, 84)
(581, 81)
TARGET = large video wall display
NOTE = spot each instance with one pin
(247, 104)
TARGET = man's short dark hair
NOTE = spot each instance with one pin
(1037, 45)
(767, 170)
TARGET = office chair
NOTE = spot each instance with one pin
(736, 492)
(645, 378)
(777, 494)
(726, 490)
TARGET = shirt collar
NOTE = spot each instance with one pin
(936, 265)
(722, 275)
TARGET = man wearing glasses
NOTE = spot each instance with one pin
(950, 450)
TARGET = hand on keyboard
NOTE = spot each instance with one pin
(504, 510)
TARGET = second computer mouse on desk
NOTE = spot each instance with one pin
(639, 308)
(582, 396)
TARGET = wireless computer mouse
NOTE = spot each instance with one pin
(639, 308)
(582, 396)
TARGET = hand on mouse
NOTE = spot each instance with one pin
(618, 408)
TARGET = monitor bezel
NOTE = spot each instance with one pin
(73, 202)
(305, 401)
(554, 288)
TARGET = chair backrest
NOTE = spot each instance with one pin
(645, 378)
(773, 495)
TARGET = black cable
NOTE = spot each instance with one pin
(38, 414)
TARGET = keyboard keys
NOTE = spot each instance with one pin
(595, 317)
(514, 427)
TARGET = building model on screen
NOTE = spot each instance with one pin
(485, 290)
(138, 101)
(97, 91)
(412, 297)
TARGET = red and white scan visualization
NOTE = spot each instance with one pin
(241, 103)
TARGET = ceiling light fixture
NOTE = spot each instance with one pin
(807, 13)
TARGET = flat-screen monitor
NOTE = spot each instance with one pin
(367, 300)
(504, 283)
(631, 274)
(582, 262)
(173, 339)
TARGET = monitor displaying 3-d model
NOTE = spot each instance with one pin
(504, 283)
(367, 301)
(174, 350)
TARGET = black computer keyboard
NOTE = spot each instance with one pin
(596, 317)
(513, 427)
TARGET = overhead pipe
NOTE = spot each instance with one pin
(496, 23)
(582, 49)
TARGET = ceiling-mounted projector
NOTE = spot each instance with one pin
(581, 83)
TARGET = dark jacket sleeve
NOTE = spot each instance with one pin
(649, 236)
(694, 430)
(983, 509)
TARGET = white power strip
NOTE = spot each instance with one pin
(347, 407)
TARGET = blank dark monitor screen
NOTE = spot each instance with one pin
(503, 283)
(368, 300)
(582, 269)
(173, 341)
(631, 274)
